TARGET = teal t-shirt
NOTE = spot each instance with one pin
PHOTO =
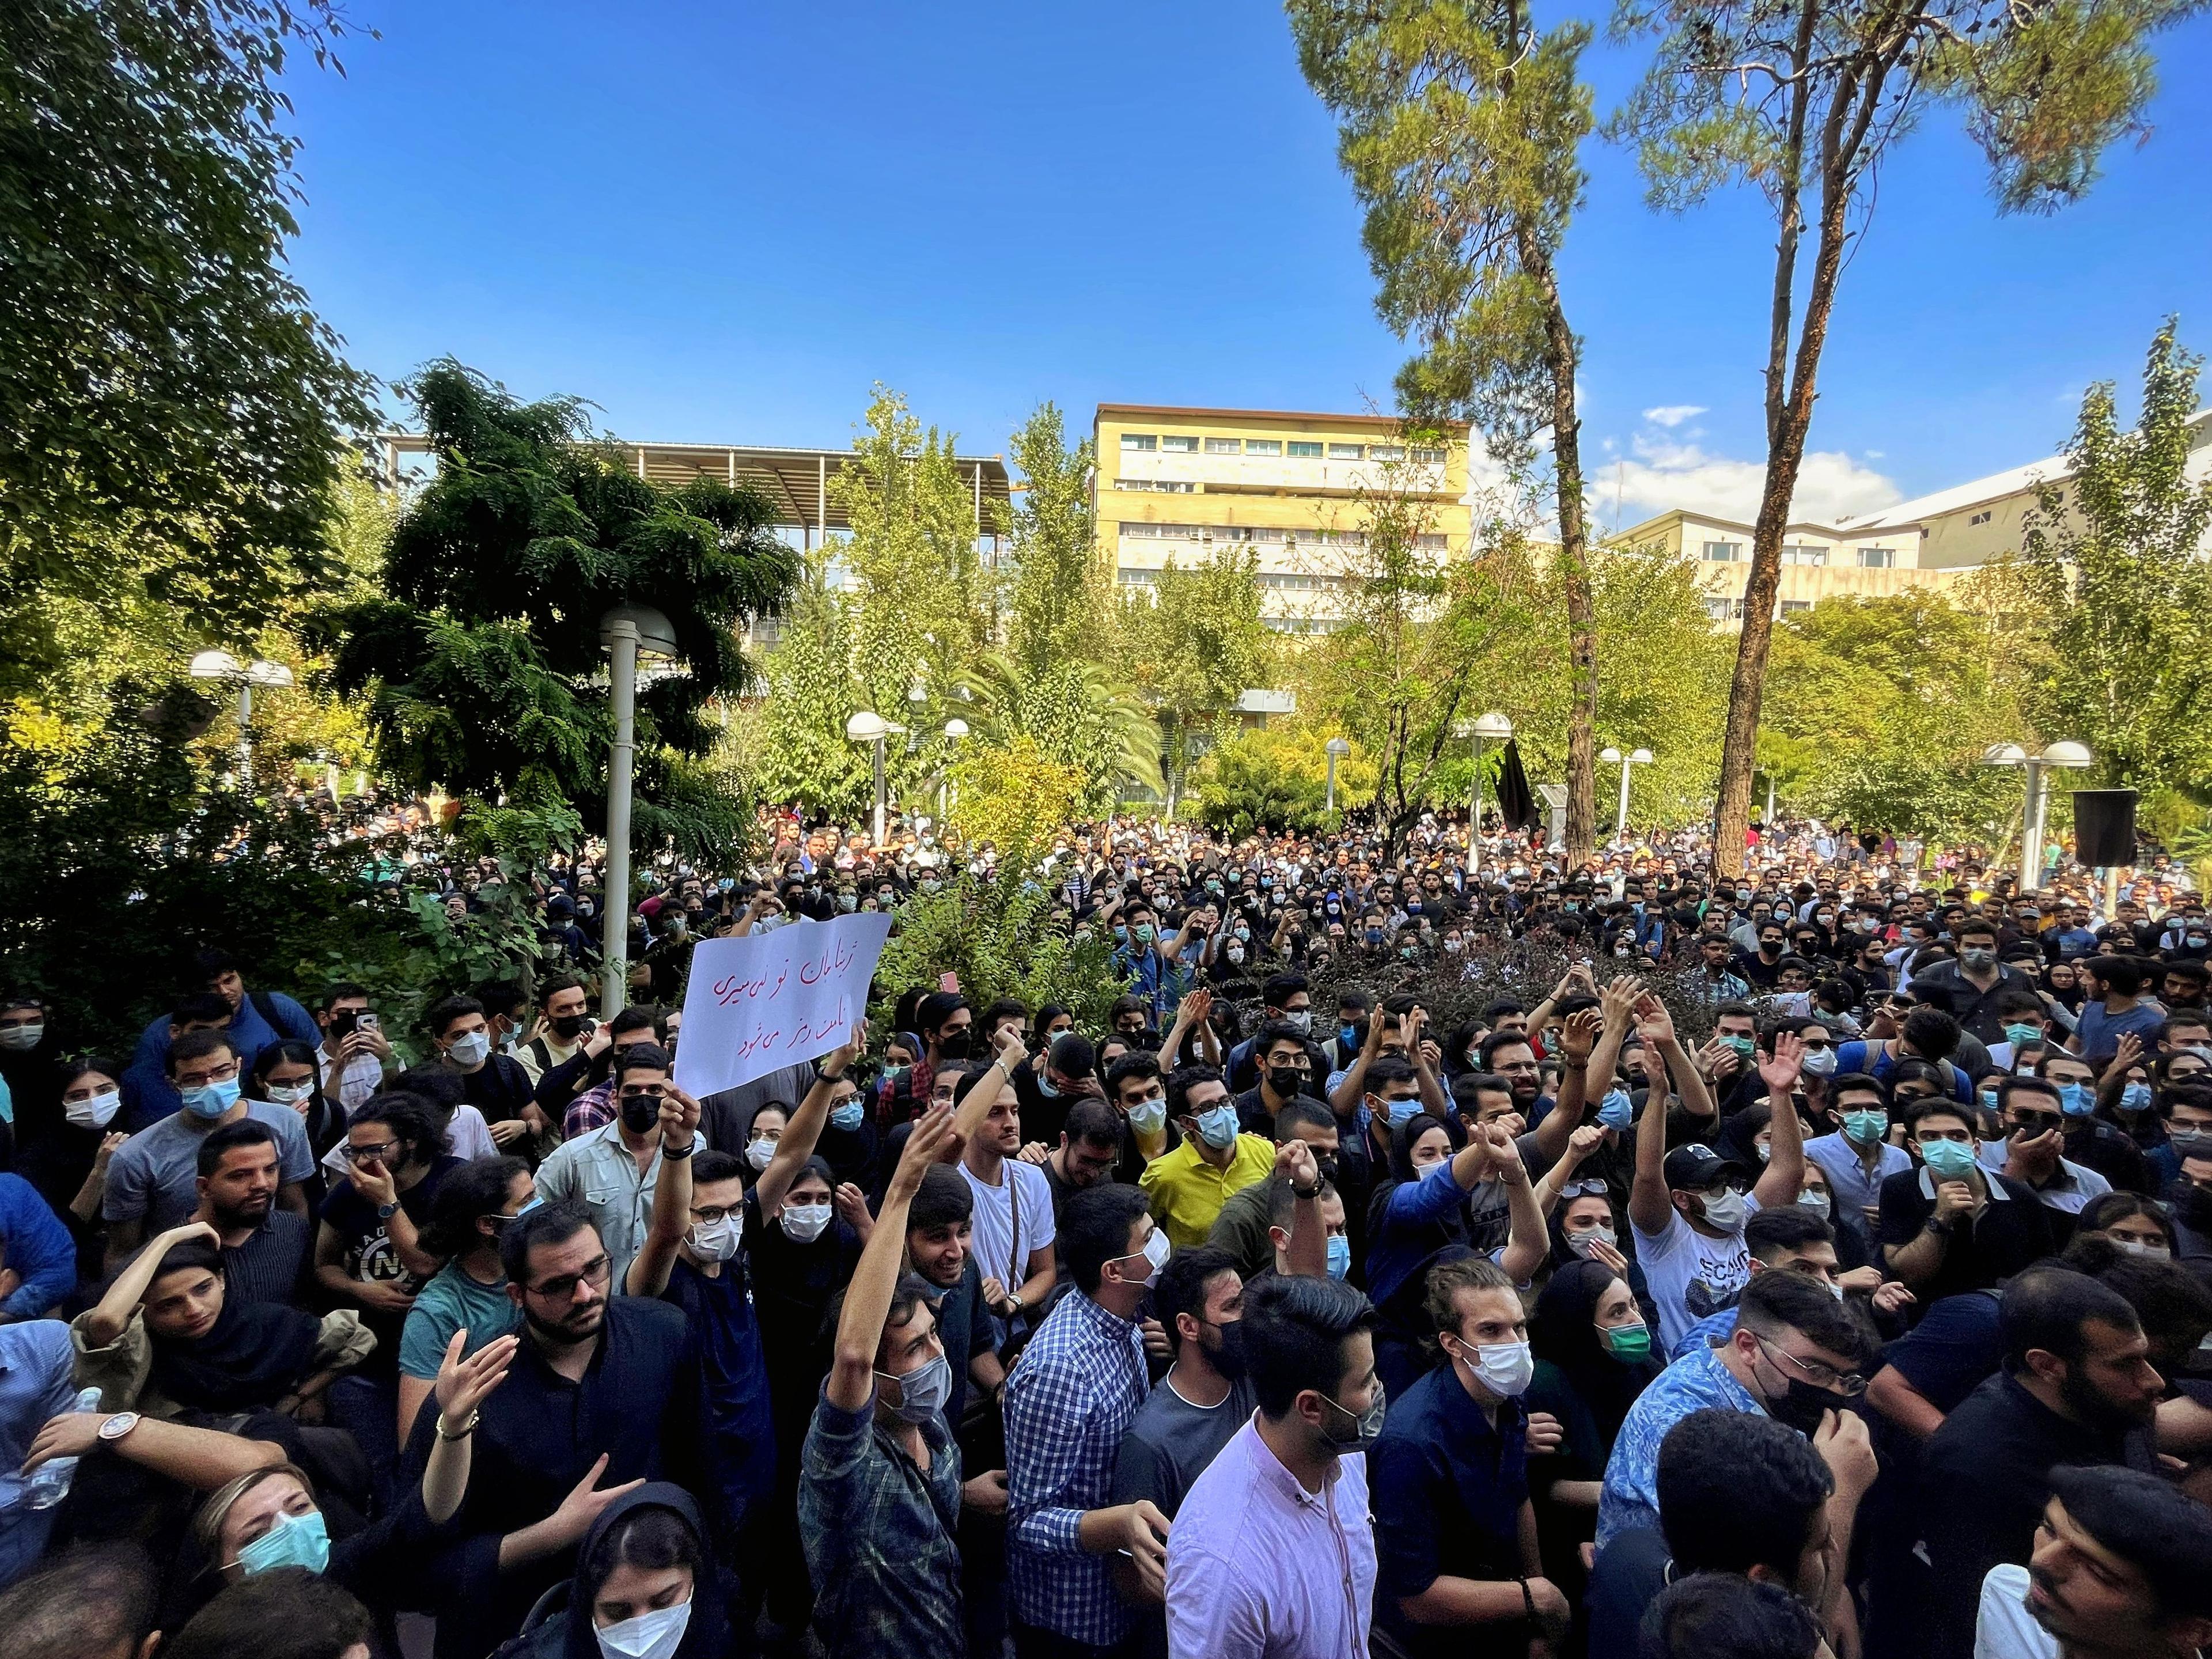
(451, 1300)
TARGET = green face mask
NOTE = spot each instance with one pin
(1743, 1045)
(1866, 1127)
(1628, 1343)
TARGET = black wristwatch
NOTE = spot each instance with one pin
(386, 1212)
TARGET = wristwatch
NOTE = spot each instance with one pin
(118, 1426)
(386, 1212)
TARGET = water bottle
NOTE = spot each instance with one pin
(49, 1482)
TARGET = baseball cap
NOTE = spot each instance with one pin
(1697, 1168)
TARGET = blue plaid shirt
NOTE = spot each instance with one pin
(1072, 1392)
(1629, 1496)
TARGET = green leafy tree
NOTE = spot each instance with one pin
(1804, 101)
(170, 408)
(1277, 779)
(1460, 125)
(1074, 714)
(804, 756)
(2115, 554)
(479, 665)
(924, 603)
(1061, 602)
(1194, 644)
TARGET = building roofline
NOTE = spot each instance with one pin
(1675, 515)
(1170, 411)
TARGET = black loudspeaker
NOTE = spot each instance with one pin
(2105, 827)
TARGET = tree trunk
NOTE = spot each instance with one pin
(1559, 354)
(1785, 456)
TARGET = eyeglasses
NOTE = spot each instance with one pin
(1819, 1373)
(2035, 1122)
(382, 1150)
(563, 1288)
(1584, 1189)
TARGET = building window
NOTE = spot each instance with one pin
(1144, 441)
(1263, 446)
(1143, 532)
(1179, 532)
(1300, 450)
(1718, 610)
(1133, 577)
(1179, 446)
(1983, 517)
(1430, 543)
(1791, 607)
(1347, 452)
(1877, 558)
(1803, 553)
(1722, 552)
(1429, 457)
(1161, 486)
(1224, 446)
(1388, 452)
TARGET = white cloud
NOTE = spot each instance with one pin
(1665, 473)
(1674, 414)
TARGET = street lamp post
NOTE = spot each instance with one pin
(1627, 764)
(2035, 808)
(1337, 749)
(221, 666)
(869, 727)
(628, 633)
(1484, 729)
(955, 729)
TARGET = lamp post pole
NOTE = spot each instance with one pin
(1487, 726)
(1336, 747)
(614, 974)
(879, 792)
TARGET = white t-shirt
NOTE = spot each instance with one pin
(2005, 1628)
(1690, 1275)
(1013, 1219)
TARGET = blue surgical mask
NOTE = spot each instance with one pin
(1617, 1110)
(210, 1099)
(2136, 1098)
(1403, 1111)
(2075, 1100)
(295, 1540)
(846, 1117)
(1340, 1256)
(1217, 1126)
(1047, 1087)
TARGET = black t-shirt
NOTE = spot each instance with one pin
(370, 1255)
(2010, 1232)
(500, 1088)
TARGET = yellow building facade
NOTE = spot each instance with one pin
(1181, 484)
(1818, 561)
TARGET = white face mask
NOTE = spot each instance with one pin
(759, 1151)
(1580, 1242)
(1504, 1368)
(20, 1037)
(469, 1050)
(93, 1114)
(716, 1241)
(805, 1222)
(1725, 1210)
(649, 1636)
(290, 1094)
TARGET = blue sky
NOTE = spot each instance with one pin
(723, 222)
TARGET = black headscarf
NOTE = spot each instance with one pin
(1564, 1332)
(706, 1636)
(255, 1354)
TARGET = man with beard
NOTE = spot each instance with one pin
(265, 1246)
(2077, 1387)
(1204, 1398)
(602, 1396)
(613, 1171)
(2118, 1572)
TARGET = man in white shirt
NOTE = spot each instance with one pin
(352, 1055)
(1013, 1228)
(1272, 1553)
(2118, 1572)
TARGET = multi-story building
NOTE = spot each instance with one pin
(1818, 561)
(1180, 483)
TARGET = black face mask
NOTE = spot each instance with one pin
(568, 1027)
(956, 1045)
(1229, 1359)
(640, 1112)
(1803, 1405)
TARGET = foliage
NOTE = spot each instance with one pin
(1276, 778)
(996, 938)
(2114, 554)
(925, 604)
(169, 406)
(803, 756)
(1061, 599)
(479, 662)
(1424, 644)
(1072, 714)
(1460, 125)
(119, 836)
(1193, 645)
(1009, 796)
(1883, 707)
(1803, 103)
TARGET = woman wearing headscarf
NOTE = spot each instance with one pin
(1593, 1347)
(166, 1339)
(645, 1586)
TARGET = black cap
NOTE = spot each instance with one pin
(1697, 1168)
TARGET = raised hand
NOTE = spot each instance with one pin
(1780, 1069)
(1653, 1023)
(464, 1384)
(1294, 1160)
(1619, 997)
(854, 1045)
(679, 1118)
(569, 1523)
(1579, 1035)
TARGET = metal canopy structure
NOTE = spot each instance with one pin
(796, 480)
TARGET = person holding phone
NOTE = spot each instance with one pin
(354, 1052)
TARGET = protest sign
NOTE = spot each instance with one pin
(758, 1004)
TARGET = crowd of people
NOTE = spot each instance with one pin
(1822, 1266)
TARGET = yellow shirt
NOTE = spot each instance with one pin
(1188, 1193)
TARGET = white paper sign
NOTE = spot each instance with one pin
(758, 1004)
